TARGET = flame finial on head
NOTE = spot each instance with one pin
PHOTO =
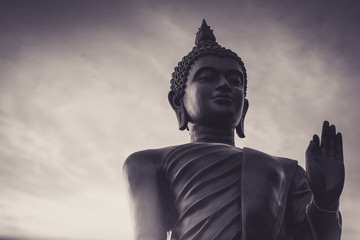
(204, 34)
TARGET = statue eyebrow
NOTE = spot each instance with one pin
(232, 71)
(203, 69)
(214, 70)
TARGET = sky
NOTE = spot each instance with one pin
(83, 84)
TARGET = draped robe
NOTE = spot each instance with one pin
(222, 192)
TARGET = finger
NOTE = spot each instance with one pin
(316, 140)
(324, 134)
(314, 144)
(339, 148)
(331, 141)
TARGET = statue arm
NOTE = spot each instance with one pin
(305, 220)
(325, 173)
(141, 173)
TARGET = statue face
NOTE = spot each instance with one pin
(214, 93)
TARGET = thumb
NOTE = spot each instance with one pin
(314, 144)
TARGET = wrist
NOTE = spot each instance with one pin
(327, 206)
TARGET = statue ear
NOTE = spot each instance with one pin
(178, 106)
(240, 127)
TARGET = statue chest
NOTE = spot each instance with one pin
(206, 182)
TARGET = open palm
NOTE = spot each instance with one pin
(325, 167)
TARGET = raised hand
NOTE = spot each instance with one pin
(325, 167)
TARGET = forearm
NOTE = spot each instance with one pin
(325, 173)
(304, 220)
(151, 237)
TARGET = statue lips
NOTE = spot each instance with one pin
(223, 98)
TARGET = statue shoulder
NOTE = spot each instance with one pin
(254, 159)
(142, 171)
(280, 160)
(145, 160)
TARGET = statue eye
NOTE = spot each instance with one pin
(206, 76)
(235, 80)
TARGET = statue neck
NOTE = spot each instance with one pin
(201, 133)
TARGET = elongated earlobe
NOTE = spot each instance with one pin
(240, 127)
(179, 109)
(182, 119)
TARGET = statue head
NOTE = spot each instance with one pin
(208, 86)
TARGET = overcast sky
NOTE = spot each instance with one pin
(83, 84)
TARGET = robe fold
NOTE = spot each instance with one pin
(223, 192)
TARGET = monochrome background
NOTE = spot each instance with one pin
(83, 84)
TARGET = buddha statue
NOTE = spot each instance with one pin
(211, 189)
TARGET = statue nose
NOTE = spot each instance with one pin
(223, 85)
